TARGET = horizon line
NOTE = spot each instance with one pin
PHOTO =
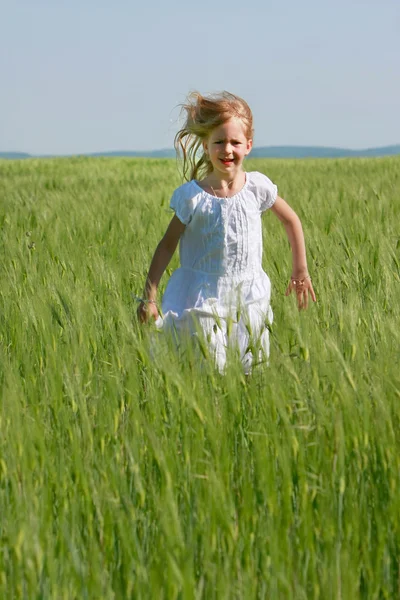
(171, 149)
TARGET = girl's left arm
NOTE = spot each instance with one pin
(300, 280)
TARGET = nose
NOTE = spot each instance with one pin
(228, 148)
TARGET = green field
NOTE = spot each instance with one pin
(124, 474)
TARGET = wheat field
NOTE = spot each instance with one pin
(127, 473)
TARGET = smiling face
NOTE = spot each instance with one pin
(227, 146)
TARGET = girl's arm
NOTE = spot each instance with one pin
(300, 280)
(159, 263)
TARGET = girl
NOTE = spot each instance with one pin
(221, 291)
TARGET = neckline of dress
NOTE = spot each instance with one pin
(246, 181)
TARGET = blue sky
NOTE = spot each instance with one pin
(86, 76)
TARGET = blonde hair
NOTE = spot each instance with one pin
(203, 114)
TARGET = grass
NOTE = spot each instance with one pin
(123, 475)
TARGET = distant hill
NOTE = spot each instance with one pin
(320, 152)
(163, 153)
(263, 152)
(14, 155)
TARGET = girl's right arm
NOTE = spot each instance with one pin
(161, 259)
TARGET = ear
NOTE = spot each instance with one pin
(205, 147)
(249, 146)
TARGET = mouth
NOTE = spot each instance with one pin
(226, 161)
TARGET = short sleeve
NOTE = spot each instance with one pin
(266, 191)
(183, 203)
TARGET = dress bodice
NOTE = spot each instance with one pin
(223, 236)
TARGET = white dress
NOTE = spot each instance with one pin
(220, 289)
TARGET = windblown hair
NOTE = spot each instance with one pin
(203, 114)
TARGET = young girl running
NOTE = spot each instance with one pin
(221, 291)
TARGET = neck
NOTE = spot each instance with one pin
(226, 182)
(218, 185)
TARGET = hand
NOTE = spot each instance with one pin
(301, 287)
(146, 310)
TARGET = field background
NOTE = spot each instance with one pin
(128, 476)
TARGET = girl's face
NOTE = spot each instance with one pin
(226, 147)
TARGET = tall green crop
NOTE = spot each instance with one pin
(127, 473)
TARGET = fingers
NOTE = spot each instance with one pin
(300, 292)
(313, 296)
(303, 288)
(302, 298)
(303, 293)
(145, 311)
(305, 298)
(142, 313)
